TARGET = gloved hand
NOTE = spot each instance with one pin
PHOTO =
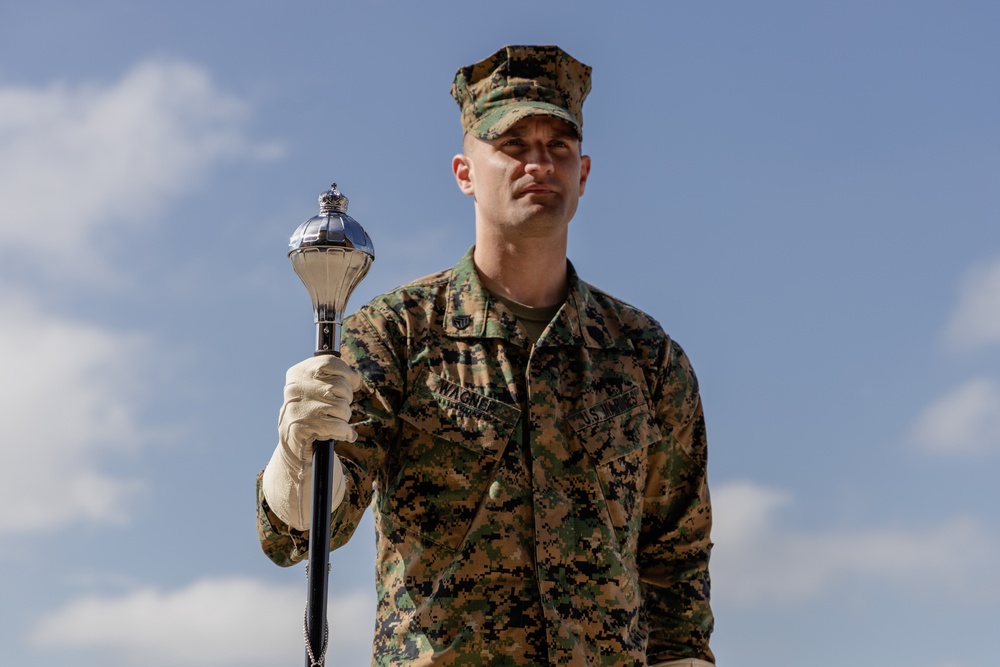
(318, 395)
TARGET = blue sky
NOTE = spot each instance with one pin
(804, 194)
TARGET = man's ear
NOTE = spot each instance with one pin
(462, 168)
(584, 172)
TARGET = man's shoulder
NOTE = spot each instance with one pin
(420, 300)
(432, 282)
(633, 320)
(644, 334)
(423, 288)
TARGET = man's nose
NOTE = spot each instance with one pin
(539, 159)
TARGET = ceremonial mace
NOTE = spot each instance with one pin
(331, 253)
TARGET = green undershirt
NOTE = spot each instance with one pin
(534, 320)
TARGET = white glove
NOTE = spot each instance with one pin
(318, 395)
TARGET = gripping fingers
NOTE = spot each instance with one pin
(332, 389)
(304, 421)
(330, 429)
(323, 368)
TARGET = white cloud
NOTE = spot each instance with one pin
(79, 162)
(758, 561)
(69, 393)
(976, 320)
(966, 421)
(212, 622)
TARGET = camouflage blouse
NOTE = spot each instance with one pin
(536, 504)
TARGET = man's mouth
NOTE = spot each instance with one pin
(537, 189)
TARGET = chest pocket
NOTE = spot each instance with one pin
(617, 433)
(451, 440)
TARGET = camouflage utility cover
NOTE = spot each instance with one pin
(535, 505)
(517, 82)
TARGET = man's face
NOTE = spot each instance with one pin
(527, 181)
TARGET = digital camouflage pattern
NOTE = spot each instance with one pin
(535, 505)
(517, 82)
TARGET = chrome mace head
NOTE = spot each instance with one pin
(331, 253)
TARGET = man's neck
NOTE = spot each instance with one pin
(531, 272)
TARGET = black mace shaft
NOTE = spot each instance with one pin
(317, 632)
(331, 253)
(316, 627)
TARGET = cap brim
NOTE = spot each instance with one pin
(498, 121)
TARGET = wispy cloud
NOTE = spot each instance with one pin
(69, 392)
(976, 320)
(964, 422)
(759, 561)
(211, 623)
(78, 162)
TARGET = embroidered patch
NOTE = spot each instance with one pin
(471, 401)
(605, 410)
(461, 321)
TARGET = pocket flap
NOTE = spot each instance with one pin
(460, 415)
(615, 426)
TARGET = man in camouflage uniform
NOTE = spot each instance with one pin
(535, 448)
